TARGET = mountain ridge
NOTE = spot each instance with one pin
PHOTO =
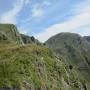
(10, 33)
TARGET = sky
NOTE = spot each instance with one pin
(45, 18)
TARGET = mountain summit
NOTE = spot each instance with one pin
(76, 52)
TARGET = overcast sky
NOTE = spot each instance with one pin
(45, 18)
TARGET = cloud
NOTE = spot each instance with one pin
(73, 24)
(27, 1)
(47, 3)
(10, 16)
(23, 31)
(37, 11)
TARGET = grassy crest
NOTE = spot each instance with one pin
(33, 67)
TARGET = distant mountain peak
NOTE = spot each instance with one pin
(75, 50)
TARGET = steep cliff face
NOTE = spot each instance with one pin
(9, 32)
(76, 52)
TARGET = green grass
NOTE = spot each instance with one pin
(30, 66)
(20, 63)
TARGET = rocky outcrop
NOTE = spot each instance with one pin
(10, 32)
(29, 40)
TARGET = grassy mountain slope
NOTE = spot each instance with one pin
(76, 52)
(32, 66)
